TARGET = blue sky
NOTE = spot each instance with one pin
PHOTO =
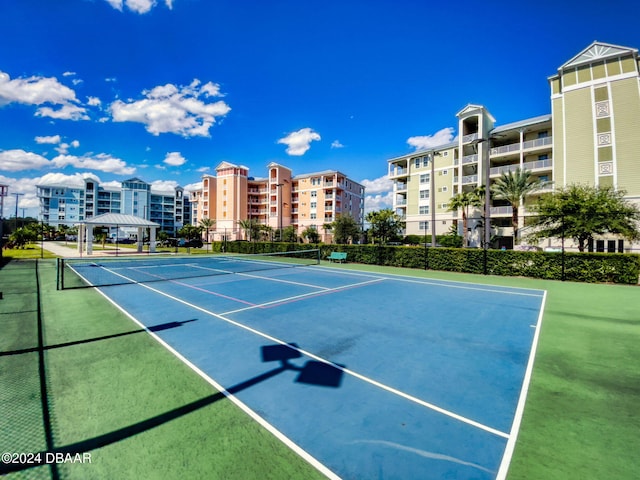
(165, 90)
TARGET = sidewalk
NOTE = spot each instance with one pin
(70, 250)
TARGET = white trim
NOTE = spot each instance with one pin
(515, 427)
(613, 138)
(599, 81)
(594, 134)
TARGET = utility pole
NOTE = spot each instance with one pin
(16, 218)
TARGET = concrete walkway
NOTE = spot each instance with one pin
(70, 249)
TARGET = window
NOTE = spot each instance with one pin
(312, 216)
(424, 225)
(417, 163)
(445, 154)
(313, 204)
(543, 157)
(425, 161)
(424, 178)
(424, 210)
(424, 194)
(314, 193)
(444, 206)
(543, 134)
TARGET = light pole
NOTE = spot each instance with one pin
(17, 195)
(432, 196)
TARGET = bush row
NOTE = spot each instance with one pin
(578, 267)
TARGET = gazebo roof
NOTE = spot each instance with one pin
(120, 220)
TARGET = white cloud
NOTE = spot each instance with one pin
(34, 91)
(174, 159)
(27, 186)
(94, 101)
(68, 74)
(373, 203)
(137, 6)
(426, 142)
(17, 160)
(171, 109)
(378, 194)
(203, 169)
(111, 184)
(336, 144)
(377, 185)
(66, 112)
(52, 140)
(164, 185)
(77, 179)
(102, 162)
(192, 187)
(299, 142)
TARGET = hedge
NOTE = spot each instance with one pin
(578, 267)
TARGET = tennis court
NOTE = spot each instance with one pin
(365, 375)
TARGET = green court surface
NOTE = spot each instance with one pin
(76, 374)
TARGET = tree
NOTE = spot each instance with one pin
(514, 187)
(190, 232)
(207, 224)
(250, 227)
(385, 225)
(311, 234)
(20, 237)
(462, 201)
(345, 229)
(289, 234)
(581, 211)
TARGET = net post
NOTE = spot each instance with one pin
(57, 274)
(60, 285)
(318, 257)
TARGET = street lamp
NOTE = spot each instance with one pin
(17, 195)
(432, 195)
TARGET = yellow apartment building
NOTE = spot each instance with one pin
(280, 200)
(591, 137)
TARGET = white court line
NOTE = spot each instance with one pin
(303, 295)
(246, 409)
(515, 427)
(443, 283)
(406, 396)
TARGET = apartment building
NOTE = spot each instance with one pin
(278, 201)
(590, 137)
(67, 204)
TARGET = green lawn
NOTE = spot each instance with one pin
(116, 393)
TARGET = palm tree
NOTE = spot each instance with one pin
(514, 187)
(207, 224)
(249, 225)
(462, 201)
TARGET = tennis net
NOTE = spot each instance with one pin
(93, 272)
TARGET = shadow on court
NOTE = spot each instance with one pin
(312, 373)
(155, 328)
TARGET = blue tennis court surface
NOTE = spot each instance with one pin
(365, 375)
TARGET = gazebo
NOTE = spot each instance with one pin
(85, 229)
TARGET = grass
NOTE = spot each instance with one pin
(115, 392)
(31, 250)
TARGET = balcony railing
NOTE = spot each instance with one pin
(469, 179)
(470, 159)
(469, 138)
(508, 210)
(515, 147)
(526, 166)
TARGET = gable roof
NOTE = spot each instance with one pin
(120, 220)
(598, 51)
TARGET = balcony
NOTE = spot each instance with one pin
(398, 172)
(470, 138)
(528, 145)
(470, 159)
(538, 165)
(400, 187)
(469, 179)
(501, 211)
